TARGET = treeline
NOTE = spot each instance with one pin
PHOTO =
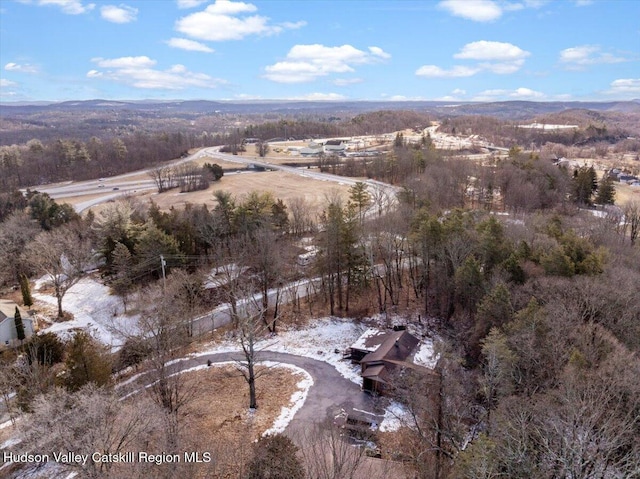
(536, 312)
(589, 133)
(373, 123)
(539, 333)
(39, 162)
(68, 159)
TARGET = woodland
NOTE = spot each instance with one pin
(532, 300)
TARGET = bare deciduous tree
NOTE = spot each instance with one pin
(88, 421)
(328, 454)
(632, 218)
(163, 177)
(62, 256)
(165, 325)
(301, 221)
(250, 328)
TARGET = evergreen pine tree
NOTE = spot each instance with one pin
(606, 191)
(19, 326)
(585, 183)
(25, 288)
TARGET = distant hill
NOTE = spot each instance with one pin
(504, 110)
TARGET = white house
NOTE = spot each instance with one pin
(335, 146)
(8, 333)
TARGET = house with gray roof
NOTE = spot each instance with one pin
(8, 333)
(379, 353)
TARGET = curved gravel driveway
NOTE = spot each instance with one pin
(329, 393)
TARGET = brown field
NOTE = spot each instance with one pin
(626, 194)
(73, 200)
(218, 419)
(282, 185)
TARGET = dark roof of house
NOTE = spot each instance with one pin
(373, 371)
(370, 340)
(397, 346)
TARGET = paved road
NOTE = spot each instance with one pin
(113, 187)
(108, 188)
(330, 391)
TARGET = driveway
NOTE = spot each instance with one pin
(329, 393)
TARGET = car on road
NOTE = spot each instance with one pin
(116, 188)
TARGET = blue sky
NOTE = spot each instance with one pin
(452, 50)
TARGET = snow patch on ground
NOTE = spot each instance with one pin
(297, 398)
(426, 356)
(396, 415)
(318, 341)
(94, 309)
(12, 441)
(6, 424)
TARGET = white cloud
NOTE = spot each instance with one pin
(583, 3)
(306, 63)
(629, 87)
(70, 7)
(190, 3)
(388, 97)
(347, 81)
(487, 10)
(24, 68)
(293, 25)
(484, 50)
(459, 91)
(526, 93)
(496, 57)
(379, 52)
(320, 97)
(476, 10)
(228, 7)
(4, 83)
(125, 62)
(224, 20)
(247, 96)
(121, 14)
(433, 71)
(517, 94)
(139, 73)
(190, 45)
(576, 58)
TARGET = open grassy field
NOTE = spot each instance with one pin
(281, 184)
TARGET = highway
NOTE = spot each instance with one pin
(110, 188)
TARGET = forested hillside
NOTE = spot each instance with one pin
(532, 300)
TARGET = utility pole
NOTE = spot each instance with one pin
(163, 263)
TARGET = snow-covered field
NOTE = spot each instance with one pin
(94, 309)
(547, 126)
